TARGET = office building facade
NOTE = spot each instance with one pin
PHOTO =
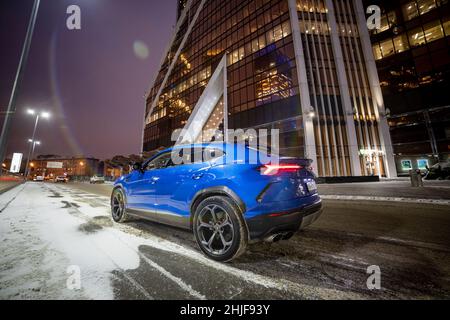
(303, 67)
(412, 52)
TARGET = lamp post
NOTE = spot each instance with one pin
(33, 141)
(19, 75)
(33, 145)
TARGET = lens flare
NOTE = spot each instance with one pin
(140, 50)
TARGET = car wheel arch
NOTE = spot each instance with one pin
(119, 187)
(215, 191)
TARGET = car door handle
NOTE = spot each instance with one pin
(197, 176)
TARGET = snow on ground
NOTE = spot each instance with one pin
(40, 241)
(46, 229)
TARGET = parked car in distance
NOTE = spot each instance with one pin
(62, 179)
(98, 178)
(439, 171)
(39, 179)
(226, 203)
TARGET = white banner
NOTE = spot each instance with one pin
(54, 165)
(16, 163)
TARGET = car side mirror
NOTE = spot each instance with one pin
(137, 166)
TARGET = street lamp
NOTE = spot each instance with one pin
(45, 115)
(33, 145)
(42, 114)
(38, 115)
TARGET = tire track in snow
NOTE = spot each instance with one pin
(74, 210)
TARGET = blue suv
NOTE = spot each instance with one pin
(223, 193)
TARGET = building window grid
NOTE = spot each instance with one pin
(194, 99)
(285, 32)
(414, 9)
(175, 72)
(416, 37)
(407, 76)
(180, 97)
(200, 33)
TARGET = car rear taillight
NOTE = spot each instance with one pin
(274, 169)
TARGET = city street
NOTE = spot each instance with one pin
(49, 231)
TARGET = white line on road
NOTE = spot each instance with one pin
(175, 279)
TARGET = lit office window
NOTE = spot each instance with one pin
(415, 8)
(416, 37)
(401, 43)
(384, 23)
(286, 28)
(387, 48)
(255, 45)
(377, 52)
(425, 5)
(410, 10)
(433, 31)
(262, 42)
(392, 18)
(278, 33)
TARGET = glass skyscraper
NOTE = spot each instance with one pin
(304, 67)
(412, 52)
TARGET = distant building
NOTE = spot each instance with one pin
(412, 53)
(77, 167)
(303, 67)
(118, 165)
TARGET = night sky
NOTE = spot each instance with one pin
(93, 81)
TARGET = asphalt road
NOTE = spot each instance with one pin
(409, 242)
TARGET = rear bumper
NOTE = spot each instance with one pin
(263, 226)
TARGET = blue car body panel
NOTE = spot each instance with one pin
(167, 195)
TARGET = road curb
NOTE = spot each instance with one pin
(386, 199)
(2, 191)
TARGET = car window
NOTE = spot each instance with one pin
(200, 155)
(194, 156)
(160, 162)
(210, 154)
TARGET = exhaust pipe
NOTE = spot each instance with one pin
(279, 236)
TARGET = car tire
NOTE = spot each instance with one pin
(118, 206)
(227, 229)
